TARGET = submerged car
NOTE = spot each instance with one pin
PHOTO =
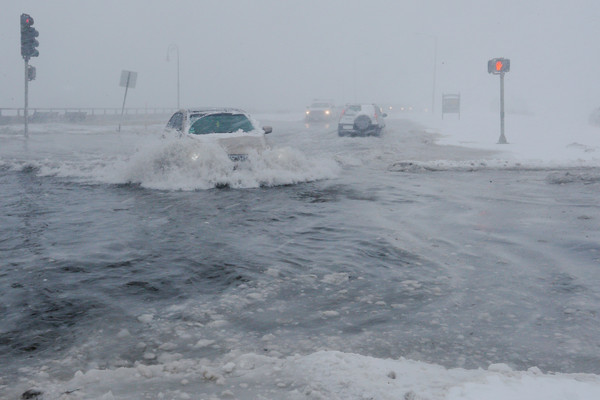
(361, 120)
(319, 111)
(233, 129)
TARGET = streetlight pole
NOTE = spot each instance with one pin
(434, 74)
(174, 47)
(435, 49)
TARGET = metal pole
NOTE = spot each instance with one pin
(354, 77)
(26, 96)
(434, 74)
(177, 77)
(502, 139)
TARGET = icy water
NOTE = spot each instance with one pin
(119, 251)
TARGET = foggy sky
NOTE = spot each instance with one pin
(280, 54)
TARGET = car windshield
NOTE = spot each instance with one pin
(221, 123)
(320, 105)
(352, 110)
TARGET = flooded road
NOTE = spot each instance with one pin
(387, 247)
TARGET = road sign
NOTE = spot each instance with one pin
(128, 79)
(451, 104)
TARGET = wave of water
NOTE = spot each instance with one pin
(176, 164)
(181, 165)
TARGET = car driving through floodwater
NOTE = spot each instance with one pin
(233, 129)
(361, 120)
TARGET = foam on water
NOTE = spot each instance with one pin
(187, 165)
(173, 164)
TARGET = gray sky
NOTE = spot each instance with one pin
(280, 54)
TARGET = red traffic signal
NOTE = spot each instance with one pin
(498, 65)
(26, 21)
(28, 38)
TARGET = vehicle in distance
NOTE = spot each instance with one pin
(361, 120)
(594, 118)
(231, 128)
(319, 111)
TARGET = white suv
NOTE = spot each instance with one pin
(361, 120)
(233, 129)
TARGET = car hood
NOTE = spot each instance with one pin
(243, 144)
(235, 143)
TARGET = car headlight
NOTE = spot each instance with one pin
(307, 112)
(327, 112)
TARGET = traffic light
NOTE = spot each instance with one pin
(498, 65)
(31, 72)
(28, 37)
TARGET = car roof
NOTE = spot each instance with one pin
(361, 105)
(207, 110)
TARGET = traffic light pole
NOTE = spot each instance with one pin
(499, 66)
(28, 50)
(502, 139)
(26, 97)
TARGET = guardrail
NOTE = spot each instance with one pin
(79, 114)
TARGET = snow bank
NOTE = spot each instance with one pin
(535, 139)
(321, 375)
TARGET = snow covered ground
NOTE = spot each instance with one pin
(542, 140)
(322, 375)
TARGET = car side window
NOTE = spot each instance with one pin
(176, 122)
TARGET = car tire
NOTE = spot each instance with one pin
(341, 133)
(362, 123)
